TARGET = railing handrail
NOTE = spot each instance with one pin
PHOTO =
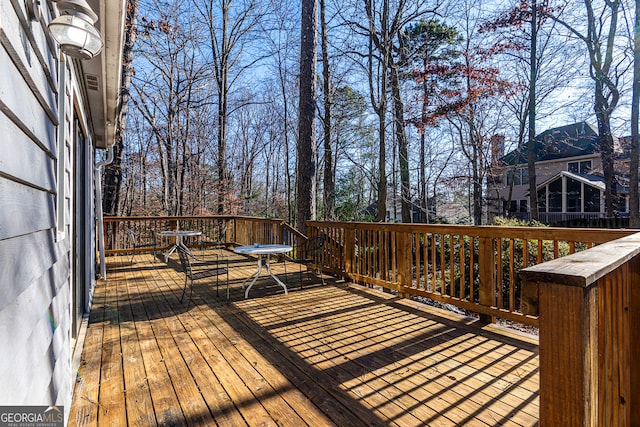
(583, 269)
(593, 235)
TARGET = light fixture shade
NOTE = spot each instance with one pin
(76, 36)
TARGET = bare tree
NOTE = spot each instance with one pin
(328, 175)
(599, 36)
(166, 94)
(229, 24)
(635, 131)
(306, 170)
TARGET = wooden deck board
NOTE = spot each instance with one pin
(325, 355)
(85, 398)
(140, 407)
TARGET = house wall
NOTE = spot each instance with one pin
(36, 212)
(544, 171)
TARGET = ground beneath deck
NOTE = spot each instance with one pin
(338, 354)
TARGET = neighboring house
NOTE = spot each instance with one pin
(569, 178)
(55, 111)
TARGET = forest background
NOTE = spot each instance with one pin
(413, 103)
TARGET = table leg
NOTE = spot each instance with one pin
(257, 274)
(255, 277)
(168, 254)
(275, 277)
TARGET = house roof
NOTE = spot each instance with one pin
(574, 140)
(596, 181)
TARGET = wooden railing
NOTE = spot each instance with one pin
(238, 230)
(589, 310)
(474, 268)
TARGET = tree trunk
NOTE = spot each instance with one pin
(606, 151)
(329, 178)
(477, 182)
(634, 215)
(531, 146)
(306, 173)
(403, 155)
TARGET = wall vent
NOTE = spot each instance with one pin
(92, 82)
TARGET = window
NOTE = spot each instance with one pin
(518, 176)
(542, 199)
(574, 195)
(523, 205)
(585, 166)
(579, 167)
(591, 199)
(513, 206)
(555, 196)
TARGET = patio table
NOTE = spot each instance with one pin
(179, 235)
(263, 252)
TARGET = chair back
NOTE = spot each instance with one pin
(314, 246)
(131, 236)
(186, 263)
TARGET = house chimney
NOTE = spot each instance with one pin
(497, 147)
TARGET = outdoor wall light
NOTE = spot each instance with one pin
(74, 29)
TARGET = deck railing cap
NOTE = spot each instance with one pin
(584, 268)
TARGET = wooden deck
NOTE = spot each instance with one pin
(339, 354)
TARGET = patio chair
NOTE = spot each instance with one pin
(136, 243)
(218, 243)
(308, 255)
(201, 270)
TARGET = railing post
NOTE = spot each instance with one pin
(568, 365)
(349, 249)
(403, 254)
(486, 271)
(588, 305)
(173, 225)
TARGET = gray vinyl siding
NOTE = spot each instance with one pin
(35, 264)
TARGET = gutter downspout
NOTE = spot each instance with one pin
(99, 214)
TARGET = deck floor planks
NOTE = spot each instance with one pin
(219, 402)
(372, 388)
(112, 412)
(271, 399)
(471, 349)
(321, 379)
(269, 380)
(402, 400)
(461, 398)
(251, 409)
(165, 400)
(139, 405)
(85, 397)
(333, 413)
(295, 347)
(165, 329)
(340, 415)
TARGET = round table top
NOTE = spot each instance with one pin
(180, 233)
(260, 249)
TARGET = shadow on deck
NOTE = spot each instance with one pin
(338, 354)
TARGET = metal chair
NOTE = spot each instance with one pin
(201, 270)
(309, 254)
(218, 243)
(136, 244)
